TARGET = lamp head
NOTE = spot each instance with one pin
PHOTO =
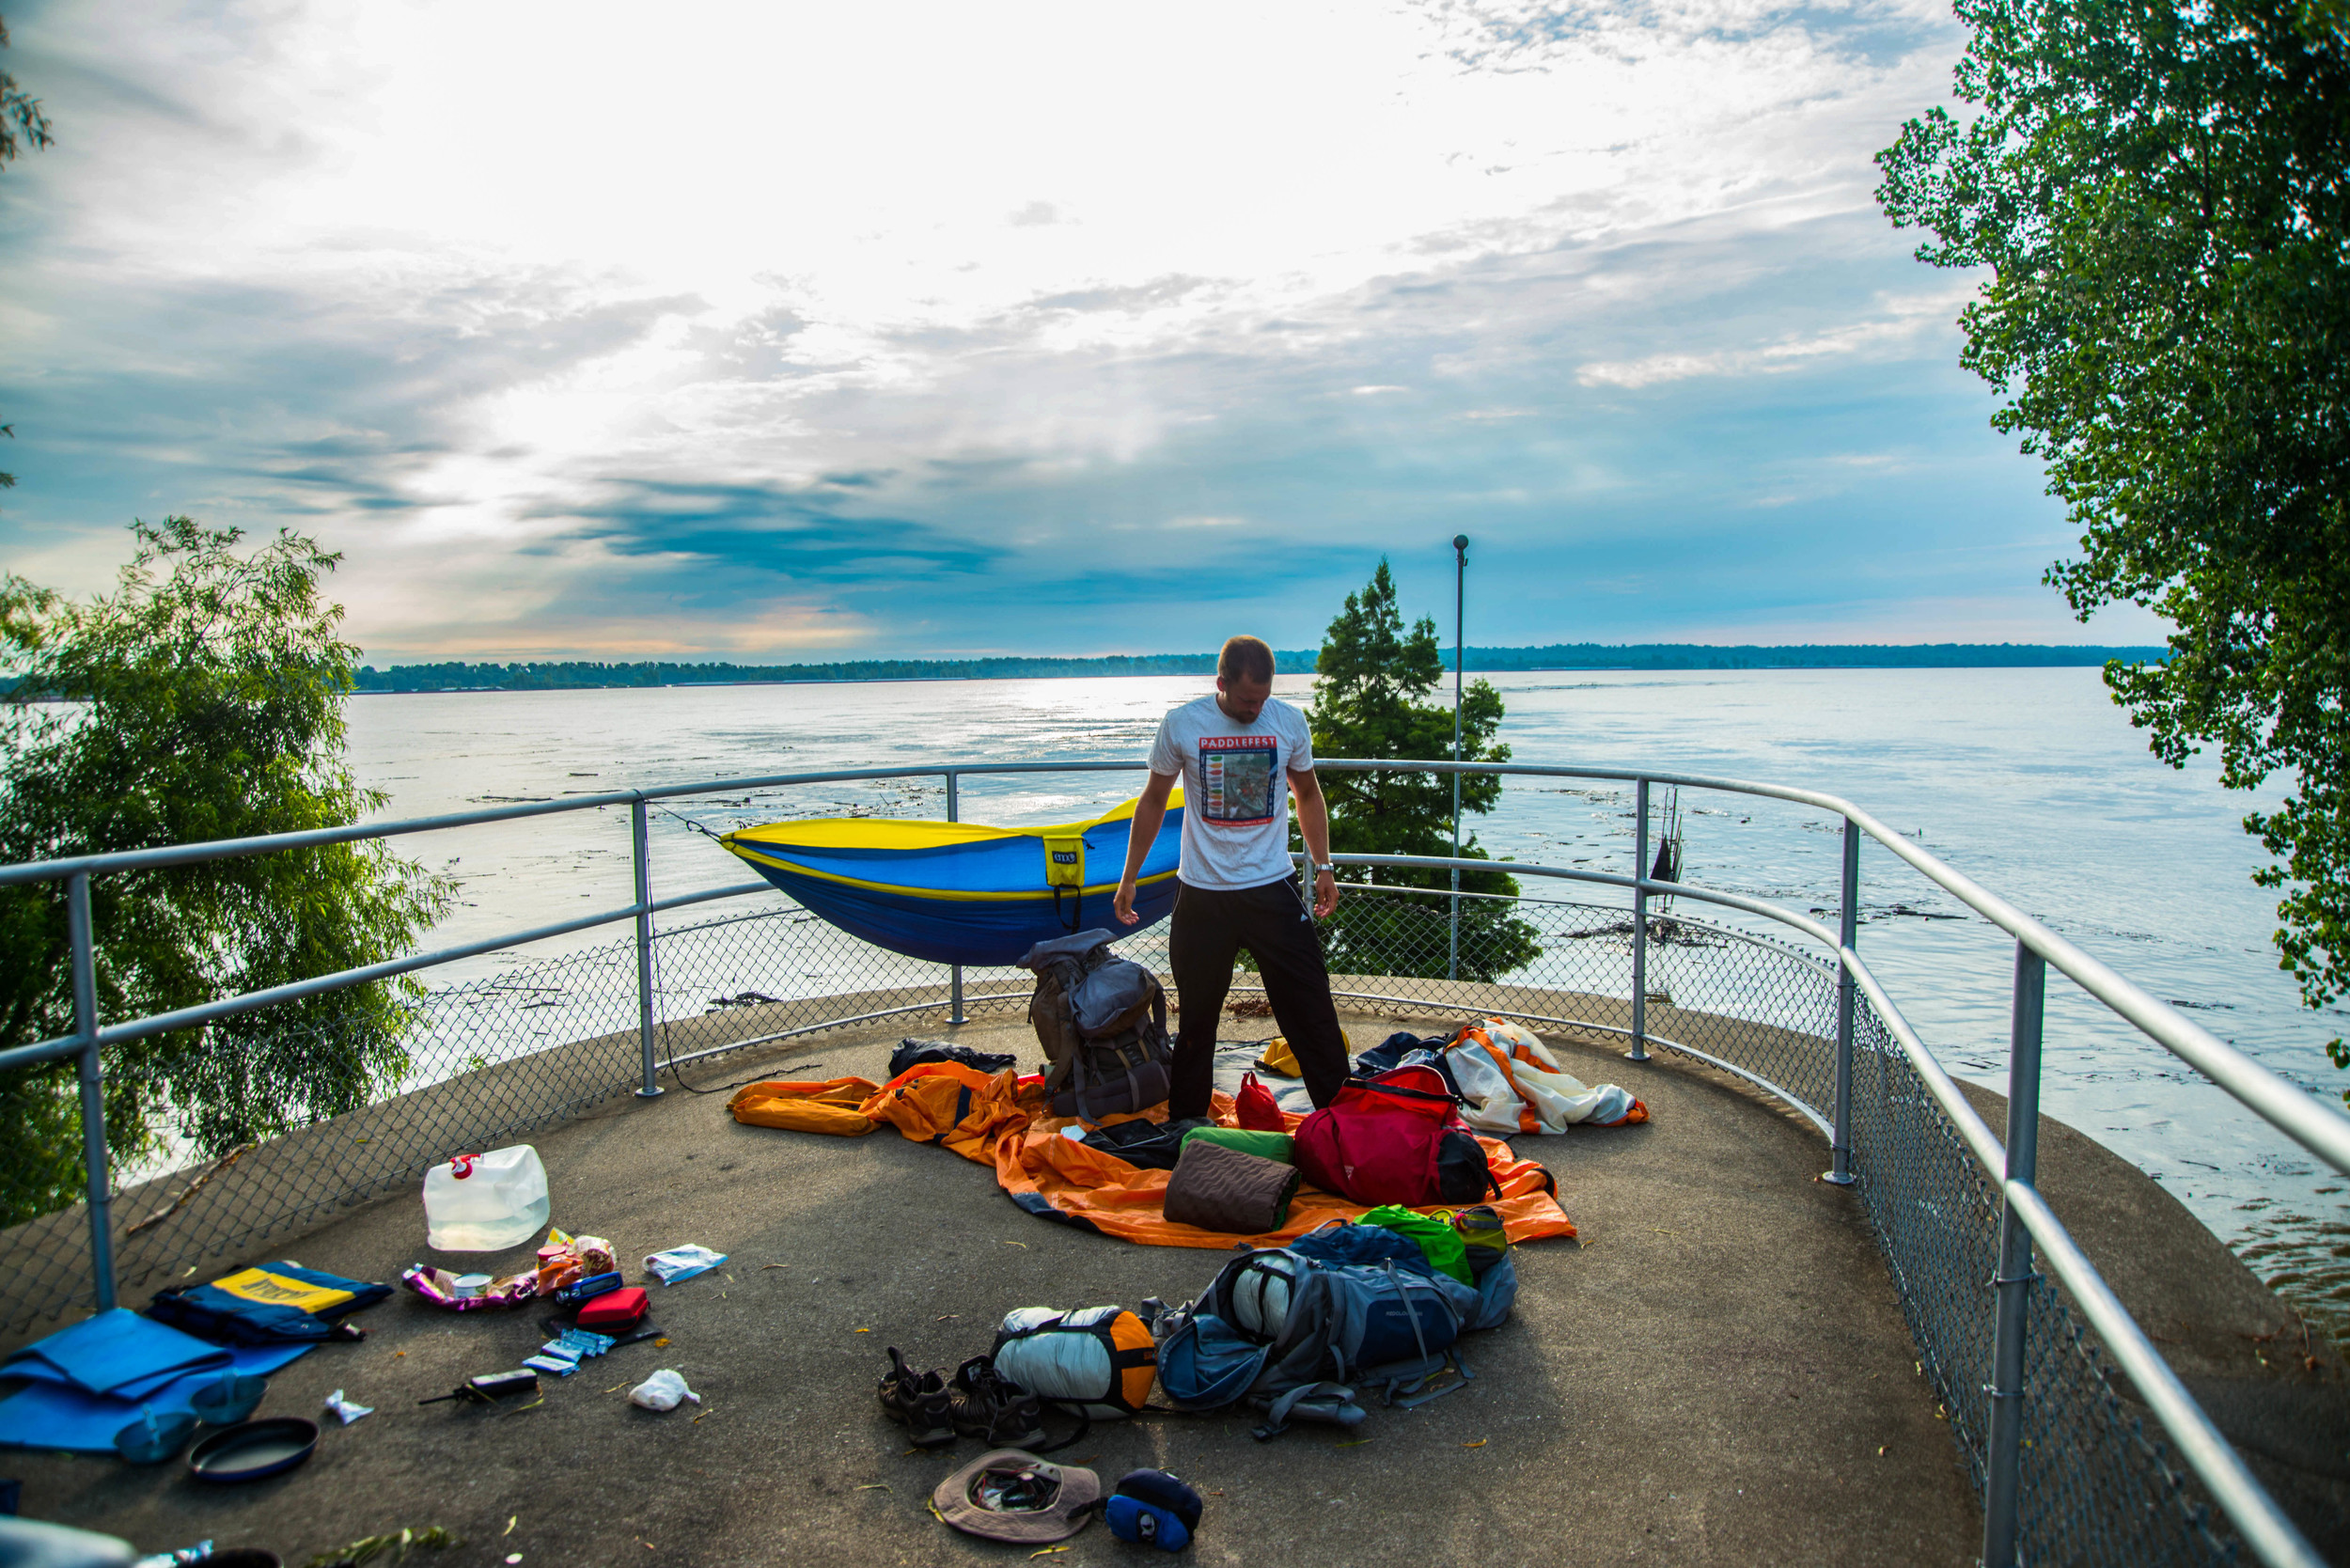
(1459, 543)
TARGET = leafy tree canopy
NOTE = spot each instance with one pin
(202, 699)
(2162, 194)
(1373, 680)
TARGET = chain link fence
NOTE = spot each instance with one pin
(2098, 1485)
(539, 1039)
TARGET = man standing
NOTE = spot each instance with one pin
(1235, 886)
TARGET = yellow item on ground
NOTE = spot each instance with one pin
(1279, 1059)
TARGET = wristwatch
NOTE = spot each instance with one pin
(1325, 866)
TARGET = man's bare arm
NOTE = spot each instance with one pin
(1150, 815)
(1313, 825)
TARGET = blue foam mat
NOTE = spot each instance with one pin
(115, 1352)
(52, 1414)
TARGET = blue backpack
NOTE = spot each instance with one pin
(1297, 1331)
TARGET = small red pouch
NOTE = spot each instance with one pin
(1256, 1110)
(621, 1308)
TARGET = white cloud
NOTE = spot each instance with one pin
(1898, 324)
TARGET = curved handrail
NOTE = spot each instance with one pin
(2303, 1118)
(2300, 1115)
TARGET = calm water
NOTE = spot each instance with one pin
(2029, 781)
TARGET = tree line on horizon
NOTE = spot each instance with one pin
(567, 675)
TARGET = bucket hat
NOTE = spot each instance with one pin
(1010, 1495)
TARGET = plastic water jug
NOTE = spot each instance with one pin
(485, 1202)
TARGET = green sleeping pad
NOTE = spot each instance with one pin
(1270, 1145)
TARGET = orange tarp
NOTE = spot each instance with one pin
(1002, 1121)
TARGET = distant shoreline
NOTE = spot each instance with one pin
(1559, 657)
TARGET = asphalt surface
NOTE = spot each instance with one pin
(1718, 1371)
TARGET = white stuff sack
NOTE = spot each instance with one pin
(1511, 1083)
(1262, 1292)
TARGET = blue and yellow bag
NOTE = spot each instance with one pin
(276, 1304)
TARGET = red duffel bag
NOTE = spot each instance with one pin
(1395, 1138)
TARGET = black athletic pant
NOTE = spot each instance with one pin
(1210, 927)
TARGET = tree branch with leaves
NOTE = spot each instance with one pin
(202, 699)
(22, 126)
(2162, 195)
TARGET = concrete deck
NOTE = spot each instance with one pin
(1717, 1373)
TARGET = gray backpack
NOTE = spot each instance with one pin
(1101, 1019)
(1305, 1338)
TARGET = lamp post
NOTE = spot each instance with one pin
(1460, 580)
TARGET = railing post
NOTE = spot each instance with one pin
(1639, 925)
(98, 1177)
(2002, 1494)
(642, 855)
(954, 813)
(1847, 933)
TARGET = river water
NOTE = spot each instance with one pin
(2029, 780)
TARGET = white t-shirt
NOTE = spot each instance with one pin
(1236, 796)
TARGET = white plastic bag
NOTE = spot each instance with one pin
(681, 1263)
(485, 1202)
(663, 1390)
(345, 1411)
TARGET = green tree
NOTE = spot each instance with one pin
(1373, 681)
(202, 699)
(2162, 194)
(21, 126)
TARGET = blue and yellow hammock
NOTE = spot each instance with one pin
(959, 892)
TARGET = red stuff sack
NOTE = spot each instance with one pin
(1256, 1110)
(1395, 1138)
(622, 1308)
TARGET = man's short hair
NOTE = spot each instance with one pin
(1245, 656)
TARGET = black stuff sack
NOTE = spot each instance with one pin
(1151, 1145)
(914, 1052)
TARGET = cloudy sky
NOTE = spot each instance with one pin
(790, 330)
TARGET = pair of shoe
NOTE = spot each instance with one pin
(980, 1402)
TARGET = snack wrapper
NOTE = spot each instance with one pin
(439, 1287)
(566, 1260)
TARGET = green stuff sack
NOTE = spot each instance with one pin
(1265, 1146)
(1447, 1253)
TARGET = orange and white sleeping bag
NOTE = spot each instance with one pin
(1511, 1083)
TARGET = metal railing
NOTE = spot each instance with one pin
(1898, 1129)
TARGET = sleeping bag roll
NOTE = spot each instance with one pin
(1098, 1359)
(1224, 1190)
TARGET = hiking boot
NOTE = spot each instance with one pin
(986, 1405)
(919, 1401)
